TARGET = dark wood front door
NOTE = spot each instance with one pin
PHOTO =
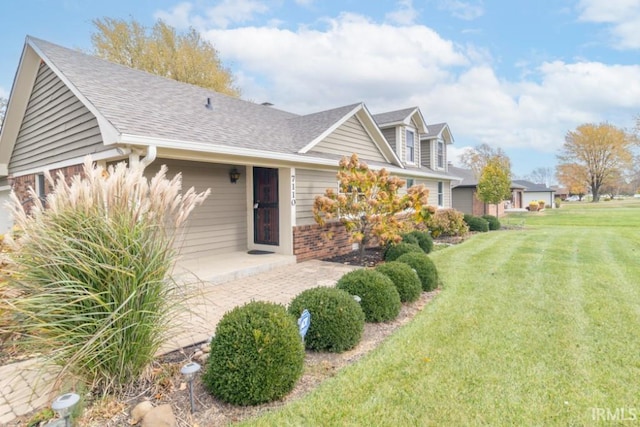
(266, 227)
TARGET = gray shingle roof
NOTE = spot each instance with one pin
(530, 186)
(143, 104)
(393, 116)
(468, 177)
(435, 129)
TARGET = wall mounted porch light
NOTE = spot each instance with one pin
(234, 175)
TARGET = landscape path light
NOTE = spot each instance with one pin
(189, 371)
(63, 405)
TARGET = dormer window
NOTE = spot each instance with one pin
(410, 143)
(440, 154)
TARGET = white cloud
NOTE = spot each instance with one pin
(351, 58)
(466, 10)
(622, 15)
(224, 14)
(304, 2)
(178, 16)
(404, 15)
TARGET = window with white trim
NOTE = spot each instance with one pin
(440, 194)
(410, 182)
(410, 144)
(440, 154)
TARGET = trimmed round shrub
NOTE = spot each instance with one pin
(379, 297)
(424, 266)
(410, 238)
(337, 320)
(394, 251)
(477, 223)
(256, 355)
(422, 238)
(404, 278)
(494, 222)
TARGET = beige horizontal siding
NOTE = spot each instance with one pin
(463, 200)
(219, 225)
(56, 126)
(350, 138)
(390, 136)
(309, 184)
(425, 153)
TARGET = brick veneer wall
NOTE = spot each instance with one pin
(311, 241)
(480, 208)
(22, 183)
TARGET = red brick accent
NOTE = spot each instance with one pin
(22, 183)
(312, 241)
(480, 208)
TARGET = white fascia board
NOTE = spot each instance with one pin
(221, 149)
(386, 149)
(113, 153)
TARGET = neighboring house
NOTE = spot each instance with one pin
(465, 195)
(536, 192)
(264, 166)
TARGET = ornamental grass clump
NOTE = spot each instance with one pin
(91, 270)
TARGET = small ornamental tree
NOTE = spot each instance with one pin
(494, 184)
(368, 203)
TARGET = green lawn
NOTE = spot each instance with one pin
(539, 326)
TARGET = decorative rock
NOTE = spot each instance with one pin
(206, 348)
(160, 416)
(204, 358)
(198, 354)
(140, 410)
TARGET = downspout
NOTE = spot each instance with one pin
(152, 152)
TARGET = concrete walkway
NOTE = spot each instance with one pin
(24, 387)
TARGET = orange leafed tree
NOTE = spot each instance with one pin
(597, 152)
(574, 177)
(368, 203)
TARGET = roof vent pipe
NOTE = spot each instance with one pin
(209, 105)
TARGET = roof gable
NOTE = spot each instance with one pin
(408, 116)
(369, 140)
(439, 130)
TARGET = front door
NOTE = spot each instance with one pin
(266, 229)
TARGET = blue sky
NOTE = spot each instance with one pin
(513, 74)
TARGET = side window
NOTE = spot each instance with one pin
(410, 182)
(41, 187)
(410, 143)
(440, 194)
(440, 154)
